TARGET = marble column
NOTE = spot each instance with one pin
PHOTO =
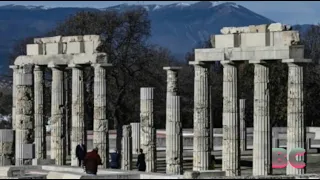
(100, 121)
(243, 134)
(78, 132)
(15, 70)
(6, 147)
(147, 129)
(174, 146)
(39, 125)
(296, 128)
(262, 130)
(135, 128)
(201, 129)
(24, 135)
(230, 121)
(58, 145)
(126, 157)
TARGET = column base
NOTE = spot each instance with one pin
(43, 162)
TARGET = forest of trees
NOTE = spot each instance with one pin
(137, 63)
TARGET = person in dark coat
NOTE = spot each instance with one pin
(81, 151)
(91, 162)
(141, 163)
(115, 160)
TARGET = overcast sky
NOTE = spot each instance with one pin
(291, 12)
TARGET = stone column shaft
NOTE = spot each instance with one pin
(24, 116)
(14, 94)
(6, 147)
(58, 148)
(230, 120)
(135, 128)
(201, 129)
(262, 130)
(148, 130)
(39, 125)
(78, 133)
(100, 122)
(296, 130)
(126, 157)
(174, 135)
(243, 134)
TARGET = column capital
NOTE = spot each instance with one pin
(228, 63)
(172, 68)
(72, 65)
(296, 61)
(38, 68)
(14, 67)
(102, 65)
(54, 66)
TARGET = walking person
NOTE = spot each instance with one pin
(141, 163)
(81, 151)
(115, 160)
(91, 162)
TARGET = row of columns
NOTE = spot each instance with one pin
(28, 107)
(231, 120)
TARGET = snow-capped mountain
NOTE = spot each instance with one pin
(178, 27)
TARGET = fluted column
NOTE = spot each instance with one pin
(262, 130)
(39, 125)
(15, 70)
(174, 147)
(58, 145)
(296, 129)
(100, 122)
(201, 125)
(6, 147)
(135, 128)
(243, 134)
(126, 157)
(78, 132)
(24, 116)
(148, 130)
(230, 121)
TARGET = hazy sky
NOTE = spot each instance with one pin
(291, 12)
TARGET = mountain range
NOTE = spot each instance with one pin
(178, 27)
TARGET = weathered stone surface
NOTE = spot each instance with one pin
(201, 144)
(174, 146)
(230, 121)
(24, 113)
(15, 75)
(100, 122)
(135, 127)
(126, 157)
(242, 114)
(78, 133)
(148, 131)
(6, 147)
(58, 150)
(276, 27)
(262, 126)
(191, 175)
(295, 114)
(39, 125)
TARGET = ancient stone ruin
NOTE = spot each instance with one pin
(259, 45)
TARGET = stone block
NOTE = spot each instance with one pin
(254, 40)
(261, 28)
(54, 48)
(68, 39)
(211, 173)
(34, 49)
(55, 39)
(91, 46)
(227, 40)
(276, 27)
(6, 135)
(75, 47)
(12, 171)
(28, 151)
(284, 38)
(43, 161)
